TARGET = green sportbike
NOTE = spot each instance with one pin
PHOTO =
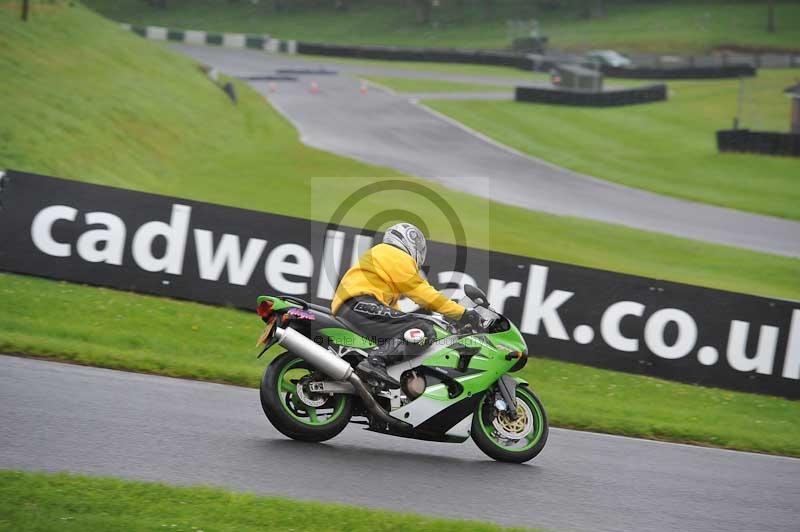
(458, 387)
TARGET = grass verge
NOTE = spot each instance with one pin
(399, 84)
(659, 26)
(478, 71)
(668, 148)
(37, 502)
(197, 341)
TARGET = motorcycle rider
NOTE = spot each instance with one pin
(369, 292)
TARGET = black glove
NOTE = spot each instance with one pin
(471, 318)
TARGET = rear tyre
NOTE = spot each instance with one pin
(508, 440)
(287, 402)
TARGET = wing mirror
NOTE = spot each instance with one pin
(476, 295)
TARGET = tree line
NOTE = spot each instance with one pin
(424, 8)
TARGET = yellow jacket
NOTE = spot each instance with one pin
(387, 273)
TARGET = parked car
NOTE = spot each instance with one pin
(609, 58)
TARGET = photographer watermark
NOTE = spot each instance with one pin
(373, 205)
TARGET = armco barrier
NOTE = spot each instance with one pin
(714, 72)
(765, 142)
(513, 59)
(191, 250)
(608, 98)
(519, 60)
(396, 53)
(232, 40)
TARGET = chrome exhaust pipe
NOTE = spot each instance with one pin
(336, 368)
(314, 354)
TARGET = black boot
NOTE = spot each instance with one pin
(375, 366)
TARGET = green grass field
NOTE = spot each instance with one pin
(202, 342)
(658, 26)
(38, 502)
(83, 99)
(434, 85)
(668, 147)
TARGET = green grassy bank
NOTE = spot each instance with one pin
(659, 26)
(400, 84)
(37, 502)
(83, 99)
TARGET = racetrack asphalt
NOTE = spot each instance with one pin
(392, 130)
(60, 417)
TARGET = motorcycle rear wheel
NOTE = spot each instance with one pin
(282, 398)
(509, 440)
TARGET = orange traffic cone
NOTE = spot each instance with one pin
(314, 87)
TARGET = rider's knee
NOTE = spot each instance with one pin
(419, 337)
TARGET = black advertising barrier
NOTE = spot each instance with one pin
(606, 98)
(221, 255)
(401, 53)
(524, 61)
(690, 72)
(766, 142)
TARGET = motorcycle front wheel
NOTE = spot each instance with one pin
(511, 440)
(296, 412)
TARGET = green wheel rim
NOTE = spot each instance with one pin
(292, 404)
(531, 439)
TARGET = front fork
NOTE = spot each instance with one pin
(507, 389)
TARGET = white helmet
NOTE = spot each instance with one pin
(409, 238)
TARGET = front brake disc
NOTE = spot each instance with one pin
(514, 429)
